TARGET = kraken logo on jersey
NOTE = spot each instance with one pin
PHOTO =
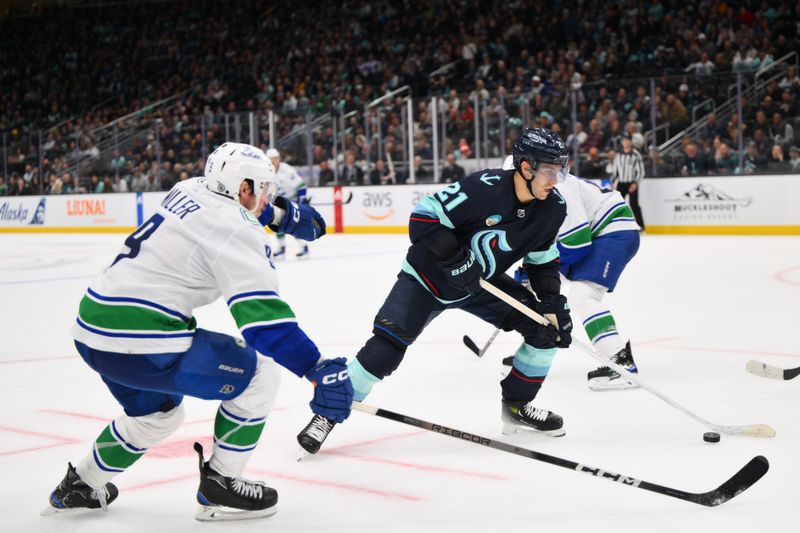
(483, 243)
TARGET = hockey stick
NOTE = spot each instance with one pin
(474, 347)
(773, 372)
(741, 480)
(343, 202)
(754, 430)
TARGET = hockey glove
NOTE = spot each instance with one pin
(300, 220)
(462, 271)
(333, 392)
(556, 309)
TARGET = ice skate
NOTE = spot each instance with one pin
(303, 254)
(604, 378)
(230, 498)
(315, 433)
(521, 416)
(280, 255)
(72, 494)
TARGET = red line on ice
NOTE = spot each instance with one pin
(416, 466)
(278, 475)
(39, 359)
(781, 276)
(50, 436)
(373, 441)
(36, 448)
(337, 485)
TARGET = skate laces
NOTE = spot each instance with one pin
(536, 413)
(102, 496)
(319, 428)
(249, 489)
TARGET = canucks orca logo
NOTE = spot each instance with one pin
(38, 215)
(483, 245)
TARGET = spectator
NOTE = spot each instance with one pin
(577, 138)
(673, 111)
(421, 173)
(753, 161)
(452, 172)
(776, 163)
(21, 188)
(96, 185)
(3, 187)
(352, 173)
(380, 174)
(725, 161)
(694, 163)
(593, 167)
(67, 185)
(119, 185)
(326, 175)
(703, 67)
(55, 186)
(794, 159)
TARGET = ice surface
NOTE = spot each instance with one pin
(696, 309)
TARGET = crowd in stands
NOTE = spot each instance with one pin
(187, 75)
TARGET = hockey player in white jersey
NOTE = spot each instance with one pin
(597, 240)
(291, 186)
(135, 328)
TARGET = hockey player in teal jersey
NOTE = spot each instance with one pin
(478, 228)
(135, 328)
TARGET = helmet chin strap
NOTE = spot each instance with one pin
(528, 182)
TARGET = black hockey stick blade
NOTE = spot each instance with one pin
(469, 343)
(741, 481)
(773, 372)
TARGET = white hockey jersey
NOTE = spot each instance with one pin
(197, 246)
(591, 212)
(289, 182)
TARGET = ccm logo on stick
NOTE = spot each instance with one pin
(333, 378)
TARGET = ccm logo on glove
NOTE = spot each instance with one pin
(333, 378)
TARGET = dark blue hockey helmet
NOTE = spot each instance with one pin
(539, 145)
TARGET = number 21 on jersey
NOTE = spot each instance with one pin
(451, 196)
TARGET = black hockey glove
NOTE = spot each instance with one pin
(556, 309)
(462, 271)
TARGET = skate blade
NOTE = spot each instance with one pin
(512, 429)
(50, 510)
(302, 455)
(603, 385)
(227, 514)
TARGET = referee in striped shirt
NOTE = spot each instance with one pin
(627, 170)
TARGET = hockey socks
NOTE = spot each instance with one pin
(235, 437)
(529, 371)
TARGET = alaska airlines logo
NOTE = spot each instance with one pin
(483, 245)
(38, 215)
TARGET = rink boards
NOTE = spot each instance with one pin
(736, 205)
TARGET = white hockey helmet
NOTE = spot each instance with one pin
(272, 153)
(231, 163)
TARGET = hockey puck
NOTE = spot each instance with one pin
(711, 437)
